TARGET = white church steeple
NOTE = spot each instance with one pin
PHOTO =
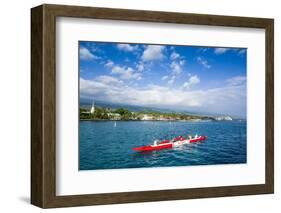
(92, 108)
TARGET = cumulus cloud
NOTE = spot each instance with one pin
(140, 67)
(126, 73)
(203, 49)
(203, 62)
(221, 50)
(127, 47)
(241, 51)
(227, 99)
(109, 63)
(236, 81)
(176, 68)
(172, 80)
(106, 79)
(182, 62)
(165, 77)
(193, 80)
(153, 52)
(174, 56)
(85, 54)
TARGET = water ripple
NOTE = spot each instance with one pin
(103, 146)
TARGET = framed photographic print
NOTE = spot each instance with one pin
(137, 106)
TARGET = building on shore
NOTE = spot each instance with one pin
(146, 117)
(114, 116)
(223, 118)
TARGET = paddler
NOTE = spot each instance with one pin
(155, 142)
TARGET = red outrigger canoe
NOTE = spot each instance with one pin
(178, 141)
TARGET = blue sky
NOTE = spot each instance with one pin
(191, 78)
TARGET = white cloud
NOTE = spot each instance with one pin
(140, 67)
(221, 50)
(182, 62)
(127, 47)
(242, 51)
(126, 73)
(239, 51)
(227, 99)
(176, 68)
(203, 49)
(203, 62)
(174, 56)
(236, 81)
(85, 54)
(165, 77)
(172, 80)
(109, 64)
(193, 80)
(153, 52)
(106, 79)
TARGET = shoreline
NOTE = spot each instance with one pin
(141, 120)
(207, 120)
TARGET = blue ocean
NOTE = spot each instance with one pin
(108, 144)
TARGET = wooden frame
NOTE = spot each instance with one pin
(43, 105)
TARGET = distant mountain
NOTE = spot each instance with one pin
(133, 108)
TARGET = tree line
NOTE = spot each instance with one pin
(101, 113)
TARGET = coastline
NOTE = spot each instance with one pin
(122, 114)
(192, 120)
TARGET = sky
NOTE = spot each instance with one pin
(210, 80)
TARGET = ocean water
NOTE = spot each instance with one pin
(104, 145)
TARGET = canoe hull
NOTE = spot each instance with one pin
(167, 144)
(152, 147)
(194, 140)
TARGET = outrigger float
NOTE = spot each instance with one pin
(165, 144)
